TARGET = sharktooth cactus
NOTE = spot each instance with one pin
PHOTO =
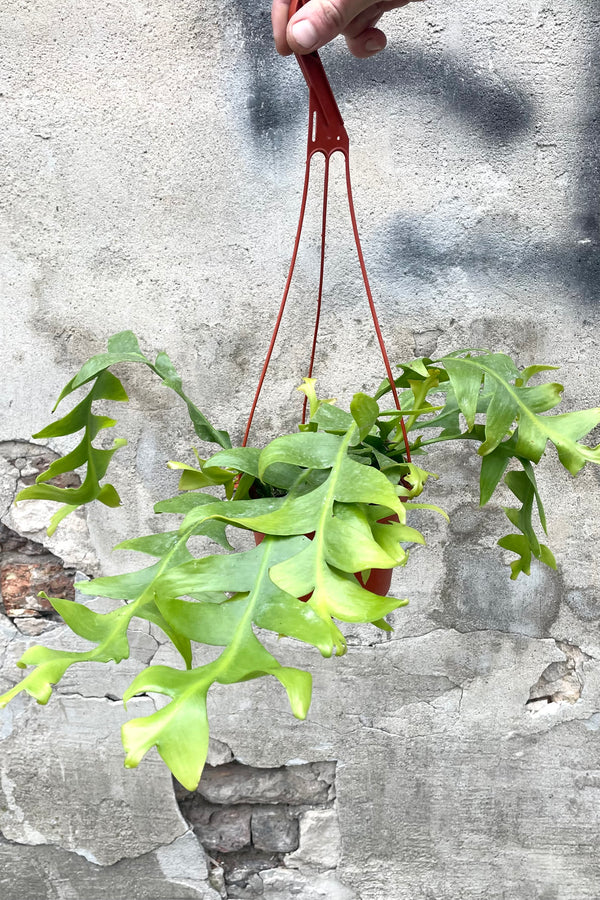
(333, 502)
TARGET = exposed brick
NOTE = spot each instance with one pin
(33, 626)
(29, 470)
(274, 829)
(249, 890)
(20, 584)
(13, 543)
(319, 840)
(235, 783)
(251, 823)
(223, 829)
(240, 867)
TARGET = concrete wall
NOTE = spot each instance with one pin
(152, 157)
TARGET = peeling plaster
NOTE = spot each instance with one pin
(561, 681)
(29, 834)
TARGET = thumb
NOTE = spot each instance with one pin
(319, 21)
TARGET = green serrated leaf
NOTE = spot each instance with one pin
(493, 467)
(183, 504)
(332, 418)
(466, 380)
(364, 410)
(518, 543)
(179, 731)
(564, 431)
(337, 515)
(165, 368)
(315, 450)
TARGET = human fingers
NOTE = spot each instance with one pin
(279, 20)
(319, 21)
(362, 37)
(368, 43)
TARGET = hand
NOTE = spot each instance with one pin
(319, 21)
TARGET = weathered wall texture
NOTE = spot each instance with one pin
(151, 169)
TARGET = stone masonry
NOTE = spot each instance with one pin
(263, 827)
(27, 568)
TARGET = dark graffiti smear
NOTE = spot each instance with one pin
(588, 217)
(493, 108)
(498, 110)
(269, 106)
(414, 249)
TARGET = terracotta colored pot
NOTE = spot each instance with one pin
(379, 580)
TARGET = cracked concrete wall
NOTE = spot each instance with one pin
(152, 165)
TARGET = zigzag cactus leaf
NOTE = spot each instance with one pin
(331, 503)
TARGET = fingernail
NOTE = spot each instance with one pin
(373, 46)
(305, 34)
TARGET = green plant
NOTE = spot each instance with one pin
(338, 477)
